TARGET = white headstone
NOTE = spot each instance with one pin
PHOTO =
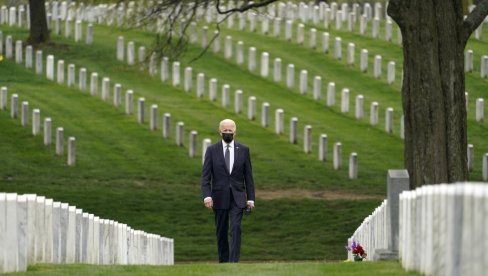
(240, 52)
(179, 133)
(212, 89)
(164, 69)
(303, 81)
(307, 139)
(402, 127)
(325, 42)
(388, 30)
(14, 106)
(288, 30)
(345, 100)
(251, 108)
(204, 36)
(277, 70)
(129, 102)
(331, 94)
(373, 119)
(350, 53)
(376, 27)
(389, 120)
(50, 67)
(71, 151)
(300, 33)
(391, 72)
(105, 89)
(353, 166)
(363, 66)
(47, 131)
(60, 73)
(252, 59)
(153, 124)
(67, 28)
(216, 42)
(166, 125)
(36, 121)
(200, 84)
(131, 53)
(59, 141)
(323, 147)
(24, 114)
(71, 75)
(176, 73)
(294, 130)
(470, 157)
(276, 27)
(484, 67)
(480, 114)
(18, 52)
(89, 34)
(225, 95)
(377, 66)
(94, 84)
(39, 65)
(359, 107)
(485, 167)
(188, 79)
(317, 88)
(28, 56)
(279, 121)
(78, 31)
(264, 64)
(337, 156)
(82, 79)
(290, 75)
(265, 114)
(8, 47)
(3, 98)
(140, 110)
(228, 47)
(117, 94)
(192, 143)
(468, 61)
(338, 48)
(238, 101)
(206, 143)
(120, 48)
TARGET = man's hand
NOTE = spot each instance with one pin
(250, 204)
(208, 202)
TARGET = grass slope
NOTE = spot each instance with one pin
(128, 173)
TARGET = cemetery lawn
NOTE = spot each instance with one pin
(305, 268)
(305, 210)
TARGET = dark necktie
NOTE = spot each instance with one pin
(227, 158)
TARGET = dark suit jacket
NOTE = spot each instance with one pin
(216, 181)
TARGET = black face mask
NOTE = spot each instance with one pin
(228, 137)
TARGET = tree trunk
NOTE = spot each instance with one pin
(38, 30)
(433, 89)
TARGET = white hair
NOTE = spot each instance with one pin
(228, 121)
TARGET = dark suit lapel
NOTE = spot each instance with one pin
(237, 155)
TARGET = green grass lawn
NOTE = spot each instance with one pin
(275, 268)
(130, 174)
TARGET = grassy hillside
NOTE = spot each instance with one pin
(305, 209)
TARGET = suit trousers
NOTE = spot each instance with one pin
(227, 254)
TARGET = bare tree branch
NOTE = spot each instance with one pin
(475, 18)
(247, 5)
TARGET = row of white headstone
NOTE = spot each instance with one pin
(469, 67)
(105, 96)
(372, 233)
(279, 114)
(303, 87)
(35, 229)
(36, 124)
(337, 51)
(443, 229)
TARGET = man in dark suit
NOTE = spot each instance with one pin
(228, 188)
